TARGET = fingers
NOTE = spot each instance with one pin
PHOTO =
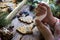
(43, 4)
(40, 10)
(42, 7)
(44, 30)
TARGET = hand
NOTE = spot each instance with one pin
(44, 30)
(40, 10)
(49, 13)
(49, 18)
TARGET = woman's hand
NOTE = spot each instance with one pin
(44, 30)
(41, 12)
(42, 9)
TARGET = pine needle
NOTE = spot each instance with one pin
(3, 22)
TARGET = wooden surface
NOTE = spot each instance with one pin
(17, 36)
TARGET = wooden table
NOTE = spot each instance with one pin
(17, 36)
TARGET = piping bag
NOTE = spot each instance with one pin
(14, 12)
(7, 18)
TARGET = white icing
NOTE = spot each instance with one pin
(27, 19)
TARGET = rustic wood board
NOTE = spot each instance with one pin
(17, 36)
